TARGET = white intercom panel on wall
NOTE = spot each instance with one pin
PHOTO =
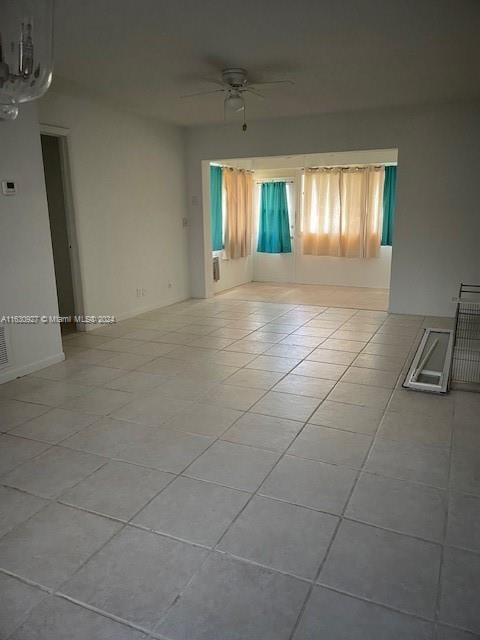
(9, 187)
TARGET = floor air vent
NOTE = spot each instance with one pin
(3, 346)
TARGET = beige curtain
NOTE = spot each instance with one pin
(238, 229)
(343, 211)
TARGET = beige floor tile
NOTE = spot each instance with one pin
(207, 510)
(286, 405)
(332, 614)
(413, 426)
(15, 508)
(54, 615)
(54, 393)
(331, 445)
(288, 351)
(202, 418)
(378, 362)
(281, 536)
(312, 484)
(249, 346)
(255, 378)
(265, 432)
(233, 465)
(226, 589)
(464, 521)
(386, 567)
(15, 450)
(359, 375)
(303, 341)
(410, 460)
(123, 578)
(399, 505)
(361, 394)
(50, 546)
(352, 346)
(127, 360)
(51, 473)
(272, 363)
(99, 402)
(233, 397)
(351, 334)
(320, 370)
(393, 351)
(14, 412)
(331, 356)
(18, 599)
(347, 416)
(305, 386)
(54, 426)
(117, 489)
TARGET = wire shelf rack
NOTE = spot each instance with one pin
(466, 352)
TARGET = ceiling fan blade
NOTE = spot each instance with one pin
(260, 84)
(219, 83)
(202, 93)
(255, 92)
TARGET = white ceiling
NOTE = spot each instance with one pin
(342, 54)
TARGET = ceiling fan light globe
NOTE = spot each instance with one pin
(234, 103)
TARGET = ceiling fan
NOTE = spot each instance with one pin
(234, 83)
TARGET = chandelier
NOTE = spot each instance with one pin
(26, 52)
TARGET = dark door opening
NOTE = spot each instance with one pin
(52, 164)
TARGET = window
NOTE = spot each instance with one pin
(343, 211)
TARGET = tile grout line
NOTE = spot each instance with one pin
(438, 599)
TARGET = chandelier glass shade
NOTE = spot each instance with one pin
(26, 52)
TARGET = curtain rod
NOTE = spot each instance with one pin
(287, 181)
(226, 166)
(351, 166)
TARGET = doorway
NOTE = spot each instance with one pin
(363, 270)
(54, 169)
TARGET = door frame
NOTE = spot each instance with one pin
(63, 136)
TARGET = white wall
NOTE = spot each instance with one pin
(27, 280)
(233, 272)
(128, 183)
(437, 224)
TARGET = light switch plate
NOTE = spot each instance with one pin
(9, 187)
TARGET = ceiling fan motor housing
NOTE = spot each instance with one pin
(236, 78)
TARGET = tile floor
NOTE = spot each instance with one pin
(308, 294)
(241, 470)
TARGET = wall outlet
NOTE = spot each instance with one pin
(144, 292)
(170, 284)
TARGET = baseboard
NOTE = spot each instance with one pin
(17, 372)
(126, 315)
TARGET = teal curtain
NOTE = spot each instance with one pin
(216, 207)
(389, 194)
(274, 232)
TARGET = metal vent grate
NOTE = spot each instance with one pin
(216, 269)
(466, 355)
(3, 346)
